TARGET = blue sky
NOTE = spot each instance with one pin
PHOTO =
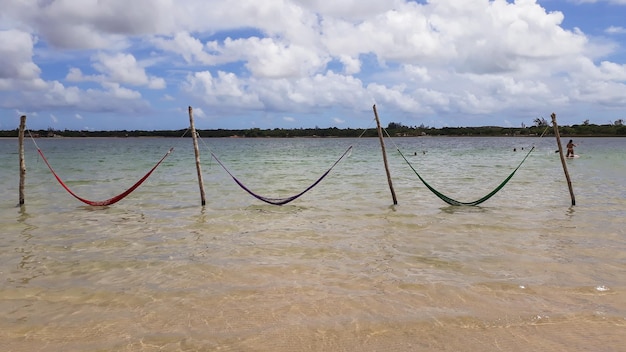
(126, 65)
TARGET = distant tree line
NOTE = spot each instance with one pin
(394, 129)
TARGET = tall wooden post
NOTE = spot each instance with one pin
(558, 142)
(197, 153)
(22, 162)
(382, 146)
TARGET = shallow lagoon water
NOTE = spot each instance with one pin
(339, 269)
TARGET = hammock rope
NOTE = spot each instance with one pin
(455, 202)
(285, 200)
(280, 201)
(109, 201)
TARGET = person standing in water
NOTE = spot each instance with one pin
(570, 149)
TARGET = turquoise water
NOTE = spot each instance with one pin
(341, 268)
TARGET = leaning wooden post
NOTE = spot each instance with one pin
(558, 142)
(197, 153)
(382, 146)
(22, 162)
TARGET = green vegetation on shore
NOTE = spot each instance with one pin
(394, 129)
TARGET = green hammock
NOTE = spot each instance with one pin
(456, 202)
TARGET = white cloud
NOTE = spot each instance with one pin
(183, 44)
(16, 50)
(120, 92)
(417, 72)
(20, 80)
(17, 70)
(76, 75)
(58, 96)
(199, 112)
(85, 24)
(225, 90)
(394, 96)
(615, 30)
(118, 68)
(431, 59)
(351, 65)
(271, 58)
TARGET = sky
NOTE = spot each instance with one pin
(139, 65)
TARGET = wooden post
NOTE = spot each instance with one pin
(22, 162)
(382, 146)
(558, 142)
(197, 153)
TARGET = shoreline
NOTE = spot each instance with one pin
(393, 129)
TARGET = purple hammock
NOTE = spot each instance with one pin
(280, 201)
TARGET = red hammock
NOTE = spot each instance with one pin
(110, 200)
